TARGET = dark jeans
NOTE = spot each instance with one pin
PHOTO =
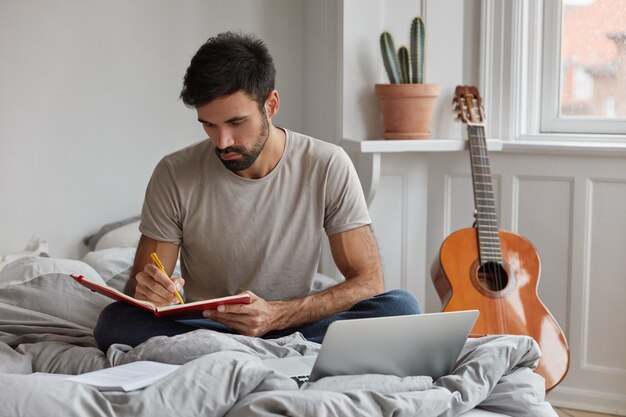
(120, 322)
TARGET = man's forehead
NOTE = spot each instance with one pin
(225, 108)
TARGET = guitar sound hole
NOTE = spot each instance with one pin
(492, 276)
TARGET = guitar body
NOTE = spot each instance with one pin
(505, 293)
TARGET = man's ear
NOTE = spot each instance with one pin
(272, 103)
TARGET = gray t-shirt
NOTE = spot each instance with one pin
(263, 235)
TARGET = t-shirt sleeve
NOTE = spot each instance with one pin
(161, 213)
(345, 206)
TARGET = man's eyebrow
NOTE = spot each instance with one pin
(233, 119)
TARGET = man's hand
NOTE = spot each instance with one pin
(155, 286)
(254, 319)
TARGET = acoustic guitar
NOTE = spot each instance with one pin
(493, 270)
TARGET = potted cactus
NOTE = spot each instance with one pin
(407, 103)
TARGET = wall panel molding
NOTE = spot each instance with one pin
(572, 208)
(587, 399)
(552, 212)
(388, 227)
(602, 214)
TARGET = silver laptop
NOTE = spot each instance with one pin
(422, 344)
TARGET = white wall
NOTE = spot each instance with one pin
(89, 102)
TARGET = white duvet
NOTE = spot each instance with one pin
(46, 321)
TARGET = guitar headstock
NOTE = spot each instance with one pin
(468, 105)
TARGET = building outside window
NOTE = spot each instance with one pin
(593, 59)
(584, 66)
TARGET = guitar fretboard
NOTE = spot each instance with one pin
(484, 198)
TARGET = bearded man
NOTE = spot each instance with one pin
(247, 210)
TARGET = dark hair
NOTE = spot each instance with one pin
(228, 63)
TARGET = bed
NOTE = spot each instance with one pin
(46, 323)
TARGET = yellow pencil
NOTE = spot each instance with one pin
(159, 265)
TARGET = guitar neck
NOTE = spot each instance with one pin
(484, 197)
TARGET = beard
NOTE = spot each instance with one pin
(248, 156)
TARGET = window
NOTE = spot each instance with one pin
(555, 69)
(584, 89)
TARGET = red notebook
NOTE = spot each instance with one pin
(173, 311)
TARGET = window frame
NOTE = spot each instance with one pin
(519, 76)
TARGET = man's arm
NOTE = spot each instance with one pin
(146, 281)
(356, 255)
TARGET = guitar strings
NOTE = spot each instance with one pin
(489, 245)
(500, 284)
(493, 242)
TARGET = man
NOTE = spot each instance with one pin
(247, 209)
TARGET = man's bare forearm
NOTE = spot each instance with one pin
(309, 309)
(356, 255)
(168, 253)
(138, 265)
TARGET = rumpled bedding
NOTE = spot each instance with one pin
(46, 320)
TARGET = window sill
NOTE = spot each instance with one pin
(565, 147)
(422, 145)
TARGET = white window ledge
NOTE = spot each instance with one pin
(366, 154)
(566, 147)
(421, 145)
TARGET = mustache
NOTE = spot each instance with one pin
(229, 149)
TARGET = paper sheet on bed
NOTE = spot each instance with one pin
(128, 377)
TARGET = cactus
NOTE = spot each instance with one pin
(388, 51)
(401, 68)
(417, 50)
(403, 61)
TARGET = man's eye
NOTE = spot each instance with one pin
(236, 122)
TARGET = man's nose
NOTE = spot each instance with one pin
(224, 139)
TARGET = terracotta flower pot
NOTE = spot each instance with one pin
(407, 109)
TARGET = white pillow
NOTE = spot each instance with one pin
(113, 264)
(126, 236)
(92, 240)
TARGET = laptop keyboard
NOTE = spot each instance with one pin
(300, 379)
